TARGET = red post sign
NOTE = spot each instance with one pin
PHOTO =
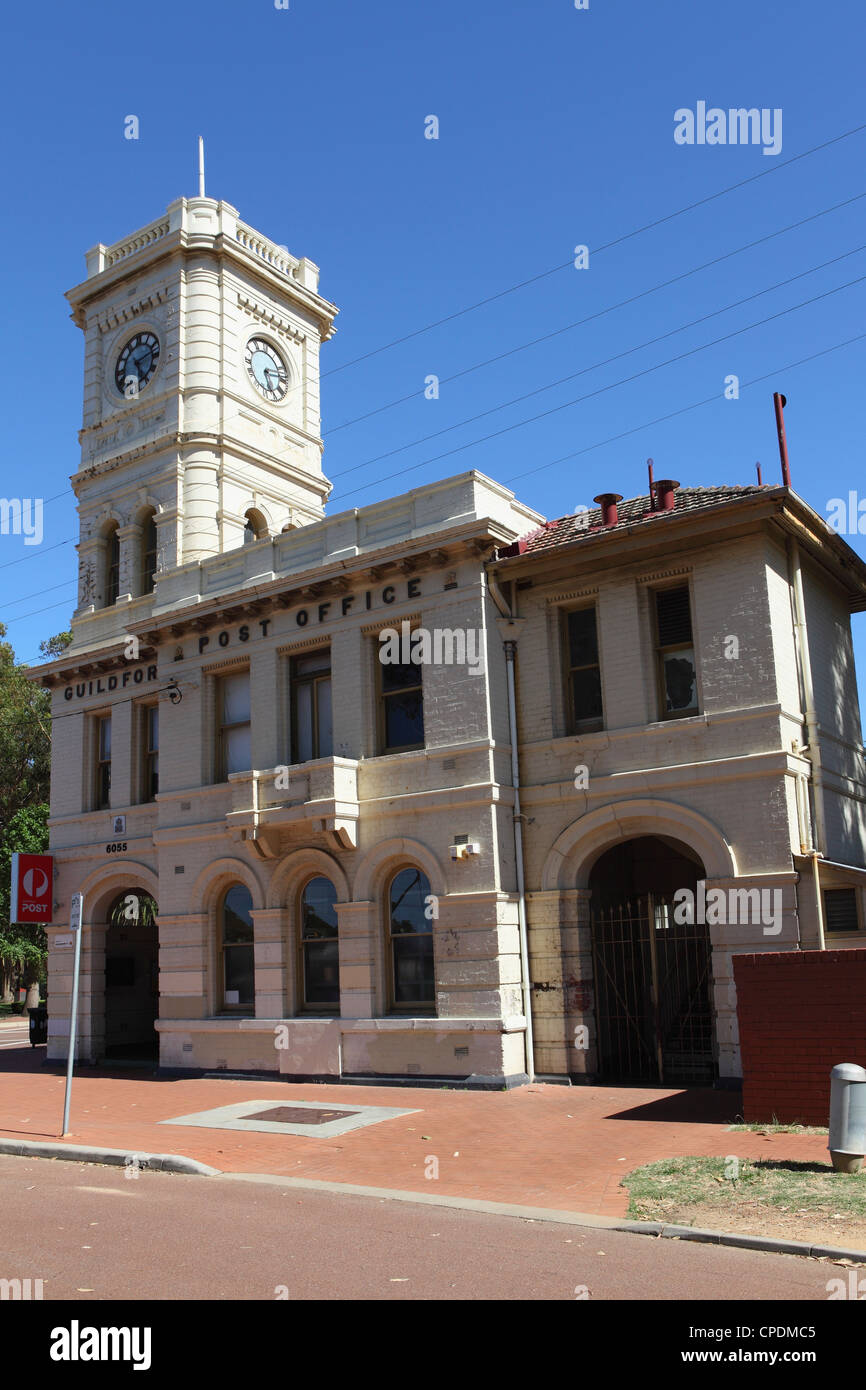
(32, 888)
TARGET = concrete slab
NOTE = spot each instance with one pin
(247, 1115)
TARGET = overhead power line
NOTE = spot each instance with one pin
(604, 362)
(471, 444)
(597, 250)
(600, 313)
(661, 419)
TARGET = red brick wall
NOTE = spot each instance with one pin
(799, 1012)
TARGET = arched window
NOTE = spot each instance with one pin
(148, 554)
(112, 566)
(320, 950)
(255, 527)
(410, 935)
(236, 960)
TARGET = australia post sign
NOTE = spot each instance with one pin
(32, 888)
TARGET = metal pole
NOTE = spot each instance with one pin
(654, 984)
(779, 403)
(819, 902)
(75, 923)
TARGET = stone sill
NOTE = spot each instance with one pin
(513, 1024)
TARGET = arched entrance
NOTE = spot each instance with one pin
(653, 975)
(131, 978)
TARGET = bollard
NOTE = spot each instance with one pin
(847, 1142)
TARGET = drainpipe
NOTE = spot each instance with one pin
(510, 652)
(801, 640)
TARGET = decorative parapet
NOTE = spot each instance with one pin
(277, 257)
(104, 257)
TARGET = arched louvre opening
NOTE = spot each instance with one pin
(112, 567)
(148, 555)
(255, 527)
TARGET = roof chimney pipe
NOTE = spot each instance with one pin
(652, 498)
(665, 499)
(607, 501)
(779, 403)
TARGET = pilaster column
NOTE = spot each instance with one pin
(185, 955)
(269, 940)
(130, 560)
(359, 964)
(167, 538)
(90, 559)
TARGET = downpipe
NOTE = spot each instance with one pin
(510, 646)
(818, 830)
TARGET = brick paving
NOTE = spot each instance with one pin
(541, 1145)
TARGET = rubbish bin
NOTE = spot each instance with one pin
(847, 1140)
(38, 1025)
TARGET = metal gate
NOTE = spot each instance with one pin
(653, 994)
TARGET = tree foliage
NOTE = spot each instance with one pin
(25, 764)
(24, 945)
(25, 741)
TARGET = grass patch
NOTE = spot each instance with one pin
(805, 1201)
(776, 1128)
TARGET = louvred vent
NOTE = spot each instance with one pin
(674, 616)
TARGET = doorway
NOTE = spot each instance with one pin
(132, 978)
(653, 975)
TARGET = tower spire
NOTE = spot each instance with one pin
(201, 167)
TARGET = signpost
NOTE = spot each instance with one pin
(75, 914)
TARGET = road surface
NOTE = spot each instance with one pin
(92, 1233)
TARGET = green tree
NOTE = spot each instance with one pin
(22, 947)
(25, 743)
(55, 646)
(25, 764)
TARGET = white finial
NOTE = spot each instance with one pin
(200, 167)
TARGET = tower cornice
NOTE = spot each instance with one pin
(195, 226)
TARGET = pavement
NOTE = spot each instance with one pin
(545, 1146)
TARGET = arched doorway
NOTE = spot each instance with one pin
(653, 974)
(131, 978)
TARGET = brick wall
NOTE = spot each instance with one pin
(800, 1013)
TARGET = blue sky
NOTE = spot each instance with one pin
(556, 129)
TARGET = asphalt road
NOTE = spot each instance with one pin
(14, 1034)
(91, 1233)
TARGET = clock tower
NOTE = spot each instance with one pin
(201, 424)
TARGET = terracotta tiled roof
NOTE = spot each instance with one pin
(633, 511)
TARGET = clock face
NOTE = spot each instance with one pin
(136, 364)
(267, 370)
